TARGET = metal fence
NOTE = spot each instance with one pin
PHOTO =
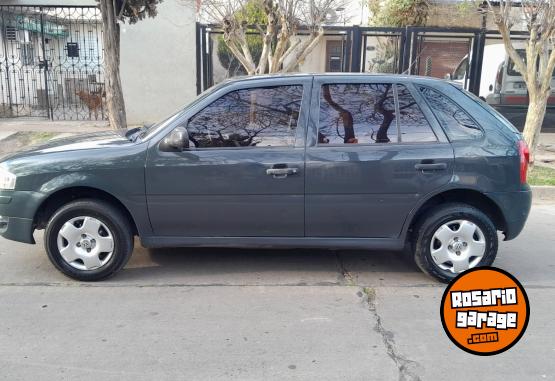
(411, 50)
(51, 63)
(473, 57)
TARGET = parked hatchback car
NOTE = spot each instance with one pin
(322, 161)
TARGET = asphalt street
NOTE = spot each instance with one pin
(222, 314)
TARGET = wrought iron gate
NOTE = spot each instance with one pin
(410, 50)
(51, 63)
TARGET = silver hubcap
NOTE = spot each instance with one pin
(457, 246)
(85, 243)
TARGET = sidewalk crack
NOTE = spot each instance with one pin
(407, 368)
(345, 275)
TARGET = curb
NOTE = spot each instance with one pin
(543, 192)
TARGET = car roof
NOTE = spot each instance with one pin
(277, 76)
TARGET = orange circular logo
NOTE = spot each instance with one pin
(485, 311)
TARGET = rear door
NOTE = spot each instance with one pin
(374, 150)
(243, 175)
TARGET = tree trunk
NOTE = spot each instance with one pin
(110, 39)
(345, 115)
(534, 121)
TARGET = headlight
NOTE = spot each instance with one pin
(7, 179)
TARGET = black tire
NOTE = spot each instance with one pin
(433, 219)
(109, 215)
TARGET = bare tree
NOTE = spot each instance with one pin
(538, 63)
(282, 47)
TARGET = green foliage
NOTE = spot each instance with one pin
(398, 13)
(386, 53)
(394, 13)
(136, 10)
(466, 7)
(251, 14)
(232, 64)
(541, 176)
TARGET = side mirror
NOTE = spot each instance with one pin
(448, 76)
(176, 141)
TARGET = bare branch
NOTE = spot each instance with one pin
(283, 20)
(303, 53)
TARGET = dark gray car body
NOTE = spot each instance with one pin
(359, 196)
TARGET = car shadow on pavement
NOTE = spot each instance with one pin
(216, 266)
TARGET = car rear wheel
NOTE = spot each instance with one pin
(453, 238)
(88, 240)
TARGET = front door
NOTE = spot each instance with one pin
(243, 175)
(372, 155)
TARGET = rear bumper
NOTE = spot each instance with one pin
(515, 207)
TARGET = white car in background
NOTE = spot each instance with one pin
(502, 86)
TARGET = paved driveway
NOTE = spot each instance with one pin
(215, 314)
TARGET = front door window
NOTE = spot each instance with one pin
(262, 117)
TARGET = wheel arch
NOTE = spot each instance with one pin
(470, 197)
(62, 196)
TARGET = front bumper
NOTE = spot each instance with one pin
(17, 212)
(17, 229)
(515, 207)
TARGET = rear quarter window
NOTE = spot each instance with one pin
(457, 123)
(483, 104)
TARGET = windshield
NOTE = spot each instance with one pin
(488, 108)
(150, 131)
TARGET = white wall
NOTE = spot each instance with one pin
(158, 63)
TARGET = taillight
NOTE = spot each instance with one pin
(524, 154)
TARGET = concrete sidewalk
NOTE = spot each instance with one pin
(45, 125)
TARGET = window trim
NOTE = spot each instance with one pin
(482, 135)
(317, 93)
(297, 136)
(419, 104)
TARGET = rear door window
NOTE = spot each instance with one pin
(357, 114)
(366, 113)
(457, 123)
(413, 124)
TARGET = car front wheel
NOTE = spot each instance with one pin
(88, 240)
(453, 238)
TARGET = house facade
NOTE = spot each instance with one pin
(52, 61)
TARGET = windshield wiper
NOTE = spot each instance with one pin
(134, 133)
(130, 134)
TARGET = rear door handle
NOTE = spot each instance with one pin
(430, 167)
(281, 172)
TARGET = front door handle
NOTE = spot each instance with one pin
(431, 167)
(280, 173)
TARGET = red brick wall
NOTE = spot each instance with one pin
(445, 55)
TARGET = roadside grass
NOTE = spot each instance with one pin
(541, 176)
